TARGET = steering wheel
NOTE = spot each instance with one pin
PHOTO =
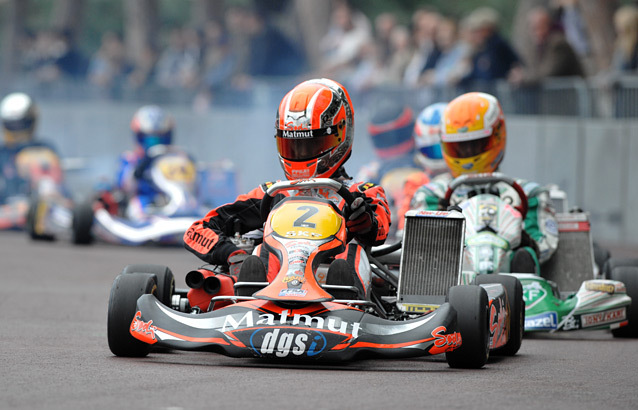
(336, 186)
(488, 180)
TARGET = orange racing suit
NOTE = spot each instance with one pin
(209, 237)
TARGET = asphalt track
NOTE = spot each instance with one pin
(54, 355)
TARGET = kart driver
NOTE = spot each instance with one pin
(152, 126)
(23, 160)
(390, 129)
(427, 140)
(322, 108)
(473, 141)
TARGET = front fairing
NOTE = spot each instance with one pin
(320, 331)
(598, 304)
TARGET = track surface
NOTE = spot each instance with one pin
(54, 355)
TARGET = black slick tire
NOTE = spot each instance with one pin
(165, 279)
(471, 305)
(629, 276)
(33, 214)
(125, 291)
(516, 308)
(82, 225)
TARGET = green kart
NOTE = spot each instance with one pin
(580, 287)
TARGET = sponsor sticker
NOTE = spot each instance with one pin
(533, 293)
(293, 292)
(280, 343)
(140, 326)
(544, 321)
(451, 341)
(601, 318)
(600, 287)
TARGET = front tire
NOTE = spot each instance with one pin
(629, 276)
(471, 305)
(515, 307)
(125, 292)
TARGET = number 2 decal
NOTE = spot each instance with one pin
(301, 221)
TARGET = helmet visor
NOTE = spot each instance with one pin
(432, 151)
(149, 140)
(18, 125)
(467, 149)
(300, 145)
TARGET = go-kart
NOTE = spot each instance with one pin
(104, 216)
(38, 174)
(495, 229)
(419, 310)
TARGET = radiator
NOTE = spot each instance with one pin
(431, 258)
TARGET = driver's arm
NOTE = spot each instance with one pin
(209, 237)
(540, 222)
(376, 199)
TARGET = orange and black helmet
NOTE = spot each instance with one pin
(314, 129)
(473, 134)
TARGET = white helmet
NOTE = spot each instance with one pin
(19, 115)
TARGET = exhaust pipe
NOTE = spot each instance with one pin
(212, 285)
(194, 279)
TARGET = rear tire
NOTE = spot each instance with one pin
(516, 307)
(613, 263)
(629, 276)
(125, 291)
(471, 305)
(165, 279)
(82, 228)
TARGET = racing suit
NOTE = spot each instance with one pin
(209, 238)
(132, 181)
(540, 223)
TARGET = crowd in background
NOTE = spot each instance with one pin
(431, 50)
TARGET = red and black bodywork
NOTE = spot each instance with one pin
(321, 331)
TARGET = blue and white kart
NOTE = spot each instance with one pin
(175, 208)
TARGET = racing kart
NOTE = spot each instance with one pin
(419, 310)
(39, 175)
(105, 217)
(567, 295)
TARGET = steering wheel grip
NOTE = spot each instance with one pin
(493, 178)
(266, 201)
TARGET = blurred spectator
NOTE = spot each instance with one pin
(426, 52)
(108, 66)
(55, 58)
(625, 58)
(370, 70)
(219, 63)
(348, 33)
(178, 64)
(454, 61)
(573, 25)
(384, 24)
(271, 53)
(492, 56)
(552, 57)
(143, 70)
(400, 55)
